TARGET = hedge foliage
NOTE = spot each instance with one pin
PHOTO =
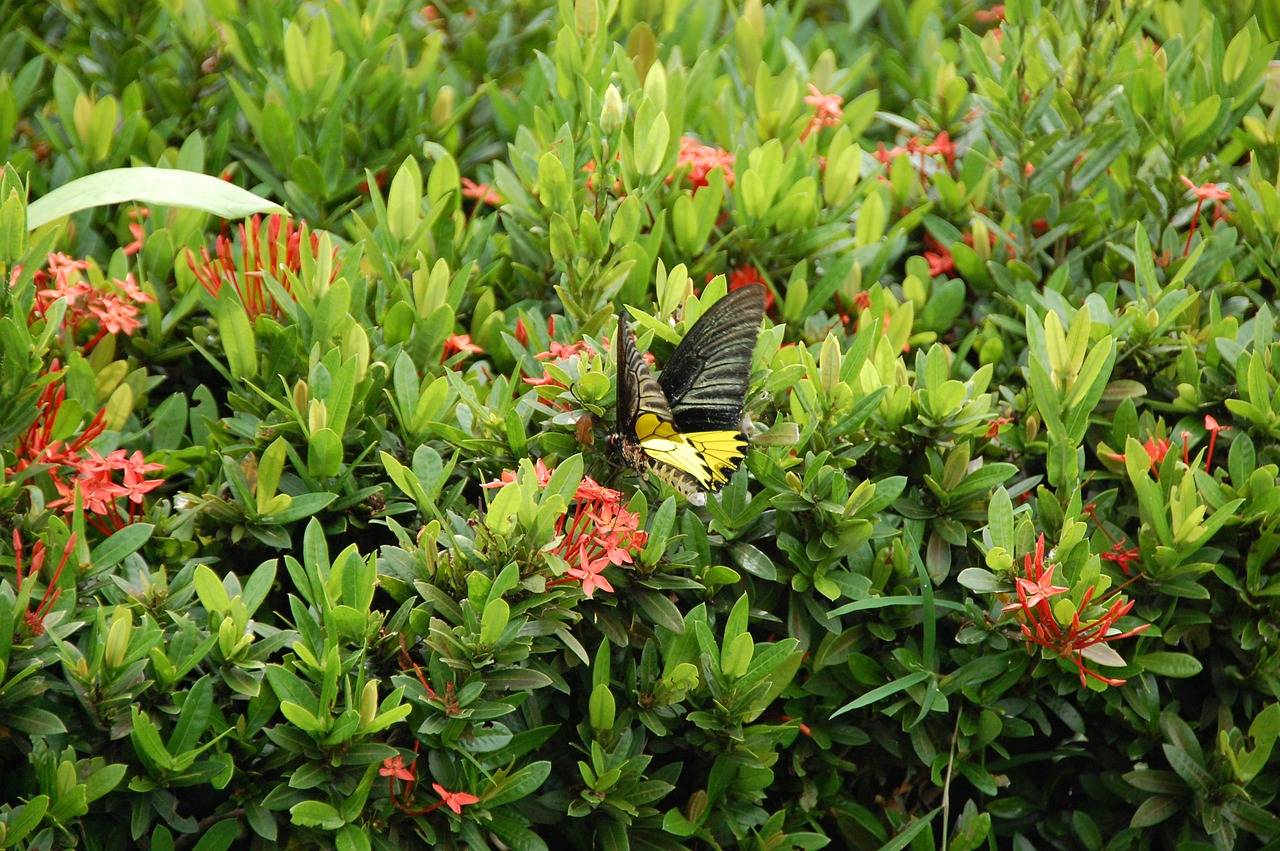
(312, 536)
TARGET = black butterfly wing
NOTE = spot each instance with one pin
(705, 382)
(638, 390)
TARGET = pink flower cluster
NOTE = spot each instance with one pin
(601, 532)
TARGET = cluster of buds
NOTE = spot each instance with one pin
(280, 250)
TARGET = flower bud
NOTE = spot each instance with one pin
(369, 703)
(614, 112)
(442, 109)
(118, 637)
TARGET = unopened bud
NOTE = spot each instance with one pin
(442, 109)
(614, 112)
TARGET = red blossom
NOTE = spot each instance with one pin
(599, 533)
(940, 146)
(1211, 424)
(455, 800)
(827, 111)
(993, 430)
(1120, 556)
(393, 766)
(1203, 192)
(34, 618)
(701, 159)
(480, 192)
(940, 260)
(994, 15)
(110, 305)
(459, 344)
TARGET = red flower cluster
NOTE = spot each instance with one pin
(1040, 627)
(75, 467)
(282, 249)
(34, 619)
(701, 159)
(601, 533)
(112, 308)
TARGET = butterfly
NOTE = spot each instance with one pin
(684, 427)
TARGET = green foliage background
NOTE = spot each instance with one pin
(962, 356)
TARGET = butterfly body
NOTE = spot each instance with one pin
(684, 427)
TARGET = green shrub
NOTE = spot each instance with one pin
(313, 535)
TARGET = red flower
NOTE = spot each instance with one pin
(393, 766)
(993, 430)
(1120, 556)
(509, 476)
(827, 111)
(455, 800)
(701, 159)
(941, 145)
(34, 619)
(1206, 191)
(480, 192)
(994, 15)
(1038, 585)
(940, 261)
(1203, 192)
(599, 533)
(459, 344)
(1211, 424)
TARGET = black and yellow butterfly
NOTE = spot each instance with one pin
(685, 426)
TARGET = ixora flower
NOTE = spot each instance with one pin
(701, 159)
(480, 192)
(600, 533)
(1078, 640)
(455, 800)
(1202, 192)
(459, 344)
(113, 305)
(827, 111)
(744, 276)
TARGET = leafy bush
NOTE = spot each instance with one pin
(314, 536)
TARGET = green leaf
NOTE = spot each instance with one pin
(316, 814)
(165, 187)
(1180, 665)
(123, 543)
(219, 837)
